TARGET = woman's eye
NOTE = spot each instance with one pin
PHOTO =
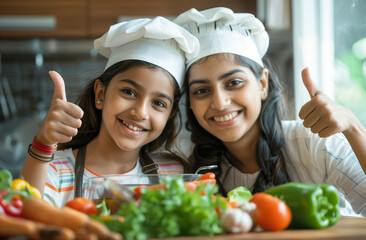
(129, 92)
(159, 104)
(200, 91)
(234, 83)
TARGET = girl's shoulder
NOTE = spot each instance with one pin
(63, 159)
(167, 165)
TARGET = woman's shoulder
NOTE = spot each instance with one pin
(295, 130)
(310, 154)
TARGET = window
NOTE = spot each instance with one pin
(330, 37)
(350, 55)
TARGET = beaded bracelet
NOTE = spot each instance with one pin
(43, 148)
(39, 157)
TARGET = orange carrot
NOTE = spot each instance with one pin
(42, 211)
(11, 226)
(16, 226)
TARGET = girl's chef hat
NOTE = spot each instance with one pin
(157, 41)
(220, 30)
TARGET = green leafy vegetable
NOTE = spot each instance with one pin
(104, 210)
(239, 195)
(171, 212)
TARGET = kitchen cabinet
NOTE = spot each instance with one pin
(70, 18)
(91, 18)
(105, 13)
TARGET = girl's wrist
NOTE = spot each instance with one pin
(40, 155)
(41, 152)
(43, 140)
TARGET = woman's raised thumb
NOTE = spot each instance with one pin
(309, 84)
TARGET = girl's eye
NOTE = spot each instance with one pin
(129, 92)
(159, 104)
(234, 83)
(200, 91)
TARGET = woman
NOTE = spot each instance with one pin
(235, 114)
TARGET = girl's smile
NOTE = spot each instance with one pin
(133, 128)
(136, 106)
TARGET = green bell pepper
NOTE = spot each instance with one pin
(312, 205)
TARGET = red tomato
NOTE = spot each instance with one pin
(82, 205)
(206, 176)
(138, 189)
(271, 213)
(17, 202)
(191, 186)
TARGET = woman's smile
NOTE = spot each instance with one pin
(226, 101)
(226, 119)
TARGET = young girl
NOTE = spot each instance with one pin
(235, 112)
(122, 116)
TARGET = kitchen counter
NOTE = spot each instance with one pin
(346, 228)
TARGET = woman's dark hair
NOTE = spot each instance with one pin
(209, 150)
(92, 116)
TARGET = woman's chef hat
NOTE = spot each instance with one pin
(220, 30)
(157, 41)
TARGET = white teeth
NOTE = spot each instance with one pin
(134, 128)
(226, 118)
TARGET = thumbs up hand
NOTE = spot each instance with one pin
(321, 114)
(63, 118)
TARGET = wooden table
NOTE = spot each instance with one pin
(346, 228)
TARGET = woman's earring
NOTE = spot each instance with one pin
(98, 101)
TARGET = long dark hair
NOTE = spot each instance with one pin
(209, 150)
(92, 118)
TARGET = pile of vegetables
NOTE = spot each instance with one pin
(173, 208)
(12, 192)
(22, 212)
(169, 209)
(291, 205)
(177, 208)
(312, 205)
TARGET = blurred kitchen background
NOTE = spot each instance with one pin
(37, 36)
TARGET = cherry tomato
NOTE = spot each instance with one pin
(17, 202)
(138, 189)
(271, 214)
(191, 186)
(207, 176)
(82, 205)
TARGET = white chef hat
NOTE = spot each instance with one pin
(158, 41)
(220, 30)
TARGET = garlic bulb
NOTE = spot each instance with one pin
(235, 220)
